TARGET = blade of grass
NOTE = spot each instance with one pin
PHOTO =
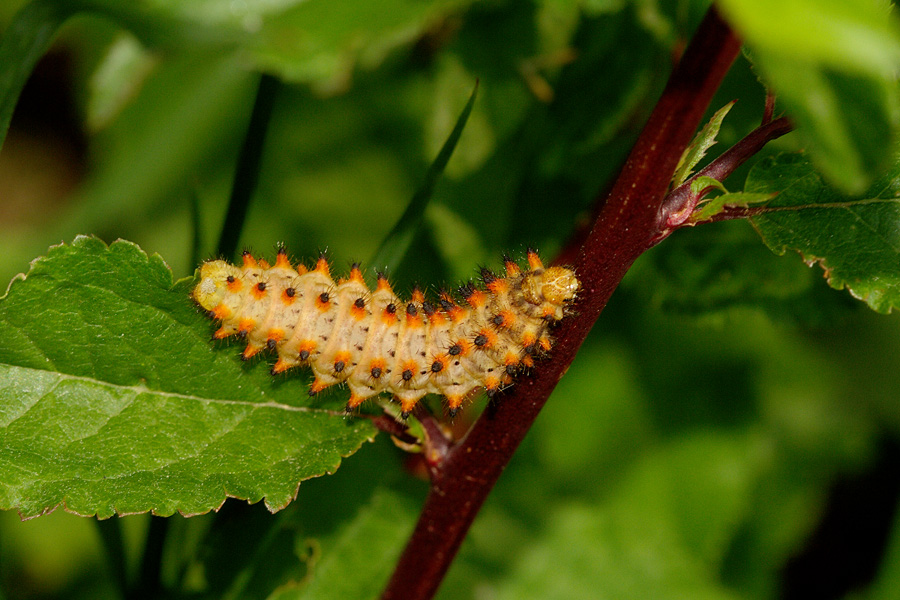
(397, 242)
(247, 171)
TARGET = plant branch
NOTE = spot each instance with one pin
(769, 110)
(627, 225)
(390, 426)
(436, 445)
(680, 203)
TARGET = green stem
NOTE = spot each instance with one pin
(110, 531)
(149, 584)
(397, 242)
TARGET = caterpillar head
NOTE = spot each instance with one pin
(217, 278)
(556, 286)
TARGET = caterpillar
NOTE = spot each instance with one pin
(374, 341)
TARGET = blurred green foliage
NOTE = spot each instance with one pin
(692, 447)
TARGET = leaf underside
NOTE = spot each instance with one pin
(113, 400)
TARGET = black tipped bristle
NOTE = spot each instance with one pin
(453, 412)
(405, 414)
(270, 344)
(312, 392)
(492, 393)
(411, 309)
(354, 266)
(273, 372)
(446, 304)
(348, 409)
(487, 276)
(246, 252)
(466, 290)
(428, 307)
(280, 249)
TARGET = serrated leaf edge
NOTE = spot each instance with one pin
(141, 389)
(79, 240)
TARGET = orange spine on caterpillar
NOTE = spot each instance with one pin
(374, 341)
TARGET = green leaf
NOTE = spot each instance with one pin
(885, 584)
(33, 29)
(397, 242)
(311, 42)
(832, 64)
(323, 42)
(698, 184)
(702, 142)
(711, 271)
(113, 401)
(367, 545)
(117, 79)
(27, 38)
(852, 35)
(737, 199)
(855, 239)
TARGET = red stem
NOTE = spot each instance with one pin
(626, 226)
(769, 110)
(678, 205)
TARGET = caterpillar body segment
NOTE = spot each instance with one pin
(373, 341)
